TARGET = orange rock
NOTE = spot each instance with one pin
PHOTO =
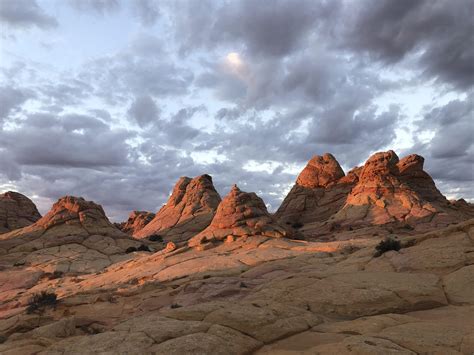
(188, 211)
(240, 213)
(137, 220)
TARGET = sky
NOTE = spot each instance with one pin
(114, 100)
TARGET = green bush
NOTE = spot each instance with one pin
(155, 238)
(387, 245)
(39, 302)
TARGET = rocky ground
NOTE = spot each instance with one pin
(241, 280)
(258, 294)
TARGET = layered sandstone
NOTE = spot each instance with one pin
(240, 214)
(188, 211)
(16, 211)
(320, 191)
(137, 220)
(390, 190)
(75, 236)
(386, 190)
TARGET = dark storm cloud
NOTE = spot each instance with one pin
(25, 14)
(273, 28)
(442, 31)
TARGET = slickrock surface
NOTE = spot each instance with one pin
(16, 211)
(137, 220)
(240, 214)
(189, 210)
(259, 295)
(75, 236)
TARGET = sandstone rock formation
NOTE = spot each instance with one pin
(188, 211)
(385, 190)
(137, 220)
(16, 211)
(320, 191)
(240, 214)
(393, 190)
(75, 236)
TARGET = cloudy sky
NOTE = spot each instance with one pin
(113, 100)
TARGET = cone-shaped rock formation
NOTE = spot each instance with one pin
(240, 213)
(385, 190)
(320, 191)
(188, 211)
(74, 236)
(393, 190)
(16, 211)
(137, 220)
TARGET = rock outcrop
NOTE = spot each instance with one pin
(74, 236)
(240, 214)
(137, 220)
(385, 190)
(189, 210)
(16, 211)
(390, 190)
(320, 191)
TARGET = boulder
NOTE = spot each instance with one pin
(137, 220)
(16, 211)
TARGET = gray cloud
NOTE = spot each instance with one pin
(11, 100)
(25, 14)
(392, 30)
(143, 110)
(147, 11)
(100, 7)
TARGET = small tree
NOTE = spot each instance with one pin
(387, 245)
(39, 302)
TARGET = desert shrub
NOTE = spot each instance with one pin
(53, 275)
(155, 238)
(297, 225)
(40, 301)
(387, 245)
(130, 250)
(143, 247)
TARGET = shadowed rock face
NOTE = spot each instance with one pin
(320, 191)
(137, 220)
(75, 236)
(16, 211)
(188, 211)
(240, 214)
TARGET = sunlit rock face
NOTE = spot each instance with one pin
(240, 214)
(16, 211)
(320, 191)
(189, 210)
(390, 190)
(137, 220)
(386, 190)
